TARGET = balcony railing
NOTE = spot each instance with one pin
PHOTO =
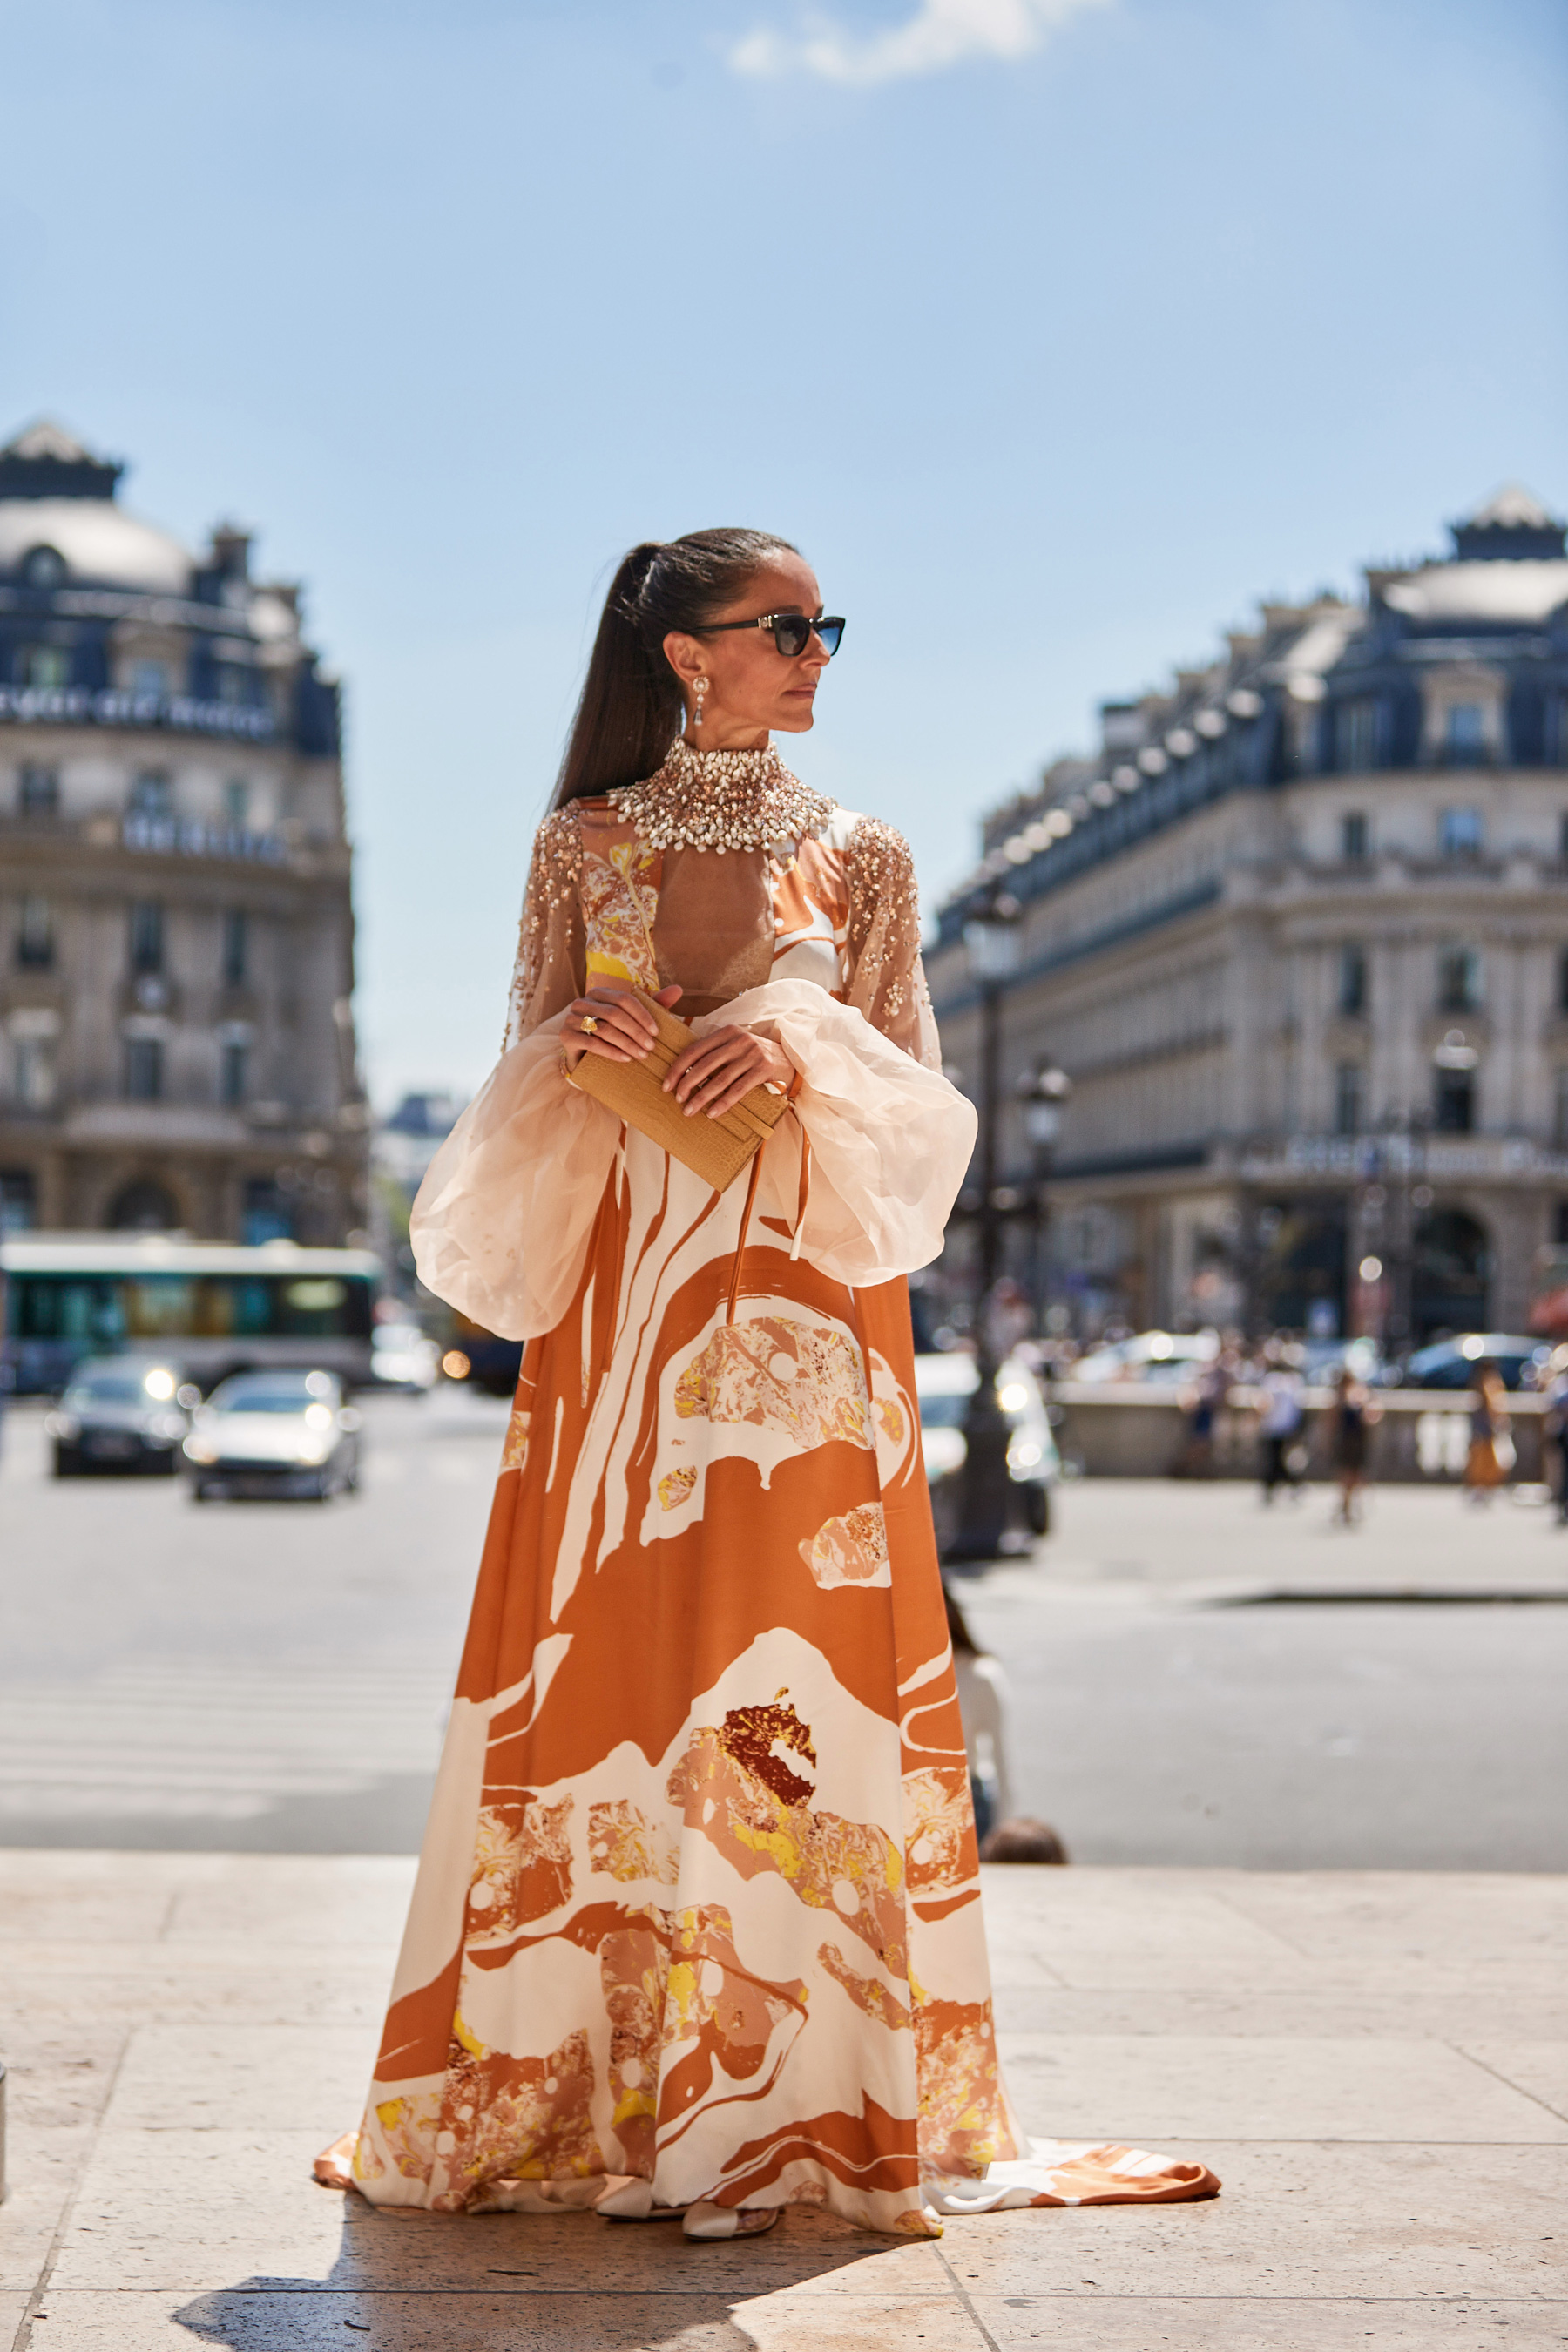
(184, 837)
(114, 706)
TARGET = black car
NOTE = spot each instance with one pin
(119, 1413)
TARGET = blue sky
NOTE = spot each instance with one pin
(1055, 331)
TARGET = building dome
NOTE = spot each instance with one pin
(57, 509)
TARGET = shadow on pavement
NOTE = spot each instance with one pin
(511, 2282)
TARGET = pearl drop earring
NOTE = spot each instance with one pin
(699, 687)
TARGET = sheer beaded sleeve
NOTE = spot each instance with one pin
(552, 967)
(887, 980)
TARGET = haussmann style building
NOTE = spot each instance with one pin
(1297, 934)
(176, 924)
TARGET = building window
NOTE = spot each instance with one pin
(233, 1073)
(1355, 993)
(150, 678)
(1465, 735)
(146, 936)
(46, 667)
(236, 683)
(1458, 980)
(43, 567)
(1357, 736)
(1460, 833)
(152, 794)
(36, 936)
(33, 1081)
(268, 1215)
(1352, 837)
(1349, 1097)
(236, 944)
(40, 792)
(1454, 1102)
(143, 1069)
(237, 801)
(18, 1200)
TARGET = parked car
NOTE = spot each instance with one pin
(944, 1386)
(1451, 1363)
(274, 1433)
(119, 1413)
(401, 1357)
(1322, 1361)
(1158, 1356)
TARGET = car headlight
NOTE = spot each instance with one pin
(201, 1449)
(1023, 1458)
(313, 1449)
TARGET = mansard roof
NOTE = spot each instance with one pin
(1501, 596)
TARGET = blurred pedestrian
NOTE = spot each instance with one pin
(1490, 1456)
(1554, 1426)
(1352, 1418)
(1279, 1422)
(983, 1704)
(1205, 1401)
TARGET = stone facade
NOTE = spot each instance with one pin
(1298, 935)
(177, 925)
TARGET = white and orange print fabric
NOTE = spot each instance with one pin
(697, 1922)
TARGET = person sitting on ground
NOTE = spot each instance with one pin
(1022, 1840)
(983, 1703)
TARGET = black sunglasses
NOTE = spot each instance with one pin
(793, 632)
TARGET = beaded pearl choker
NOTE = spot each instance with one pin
(722, 800)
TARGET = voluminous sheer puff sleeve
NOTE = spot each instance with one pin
(502, 1219)
(890, 1139)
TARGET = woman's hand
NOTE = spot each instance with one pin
(623, 1027)
(713, 1073)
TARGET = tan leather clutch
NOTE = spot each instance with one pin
(716, 1149)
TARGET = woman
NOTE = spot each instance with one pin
(1352, 1418)
(1491, 1456)
(696, 1927)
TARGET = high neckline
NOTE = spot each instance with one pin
(722, 800)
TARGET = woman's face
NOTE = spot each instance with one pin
(753, 690)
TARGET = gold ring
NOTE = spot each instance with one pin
(589, 1025)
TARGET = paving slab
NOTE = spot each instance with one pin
(1199, 2087)
(1377, 2064)
(1210, 2324)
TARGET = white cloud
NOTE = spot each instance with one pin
(939, 33)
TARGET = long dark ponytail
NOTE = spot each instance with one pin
(630, 709)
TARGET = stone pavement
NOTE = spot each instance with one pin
(1376, 2064)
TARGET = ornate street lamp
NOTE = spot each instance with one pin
(991, 936)
(1042, 1098)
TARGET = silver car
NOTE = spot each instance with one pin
(274, 1433)
(944, 1386)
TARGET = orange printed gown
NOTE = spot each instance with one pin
(696, 1918)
